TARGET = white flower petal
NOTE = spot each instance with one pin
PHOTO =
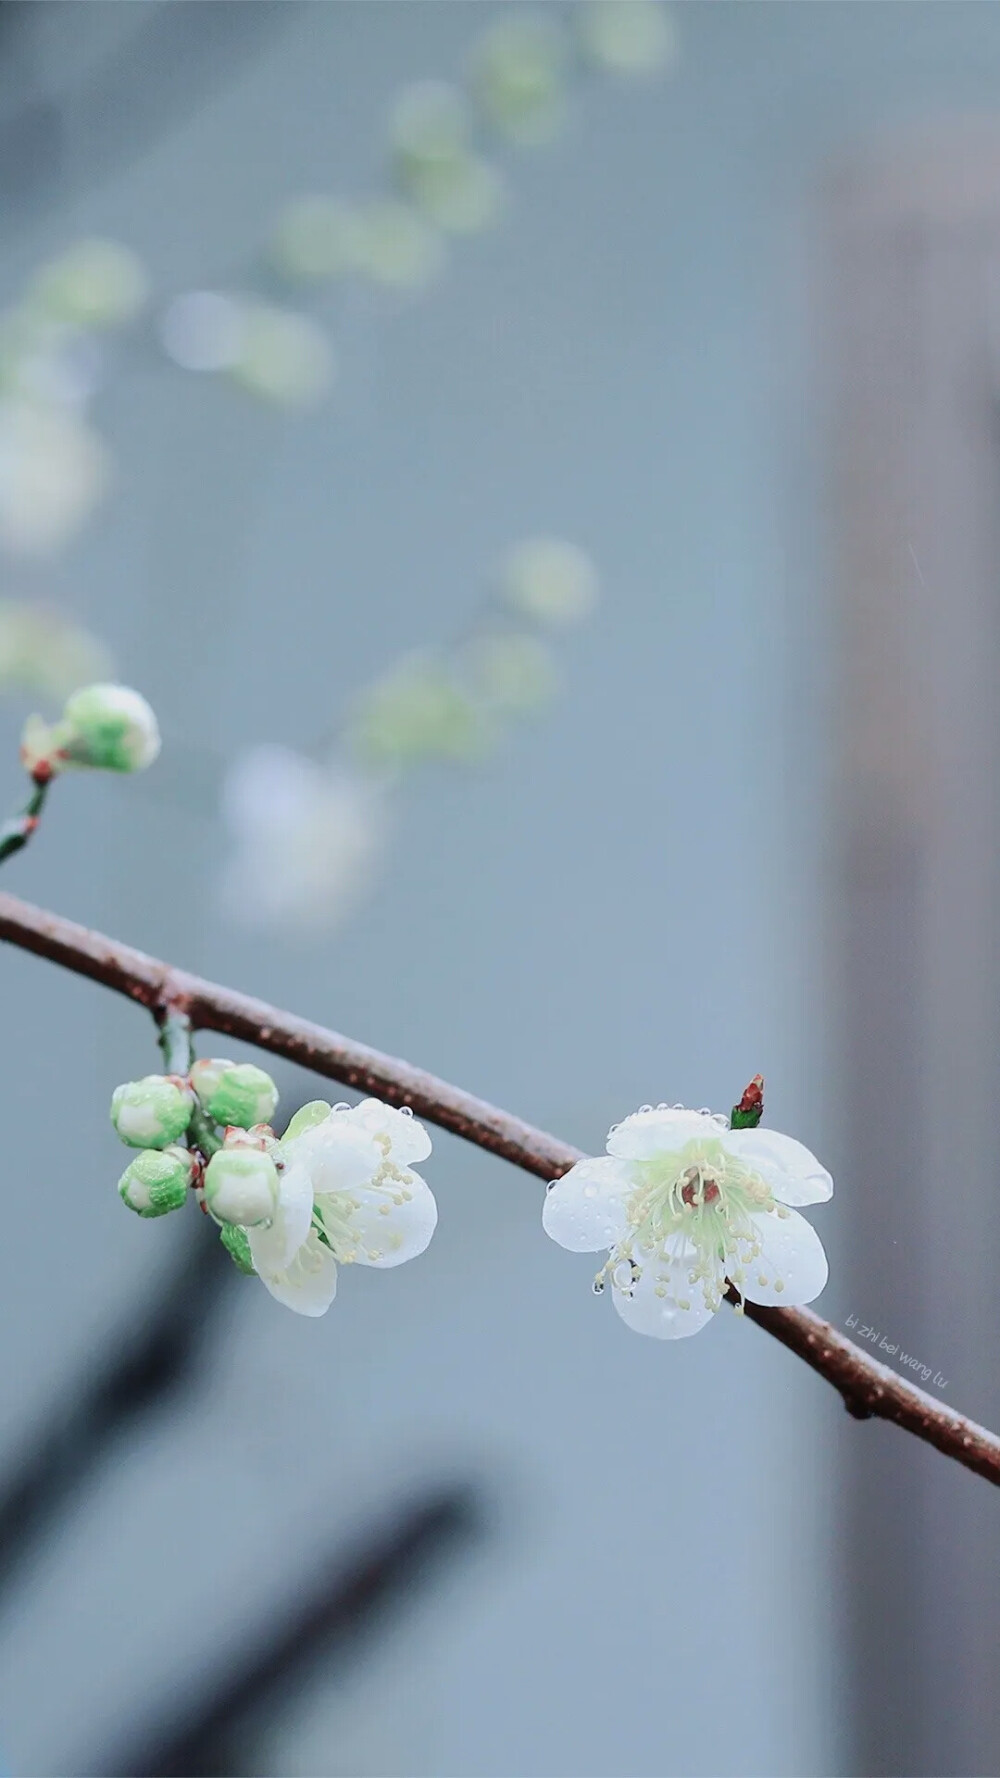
(793, 1173)
(309, 1284)
(585, 1210)
(647, 1133)
(792, 1254)
(410, 1141)
(389, 1233)
(662, 1317)
(273, 1247)
(339, 1156)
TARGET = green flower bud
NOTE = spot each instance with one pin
(152, 1112)
(110, 728)
(241, 1186)
(156, 1182)
(94, 283)
(236, 1093)
(234, 1240)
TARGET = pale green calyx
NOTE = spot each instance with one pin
(235, 1241)
(108, 728)
(235, 1093)
(241, 1186)
(152, 1112)
(156, 1181)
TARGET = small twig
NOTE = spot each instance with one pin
(868, 1389)
(16, 832)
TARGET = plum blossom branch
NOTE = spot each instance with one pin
(868, 1389)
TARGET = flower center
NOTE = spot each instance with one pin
(692, 1219)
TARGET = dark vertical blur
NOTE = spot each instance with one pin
(913, 302)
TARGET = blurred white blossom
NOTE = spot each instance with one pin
(306, 840)
(201, 330)
(550, 580)
(627, 36)
(54, 470)
(275, 353)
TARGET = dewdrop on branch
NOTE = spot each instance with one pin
(688, 1208)
(234, 1093)
(152, 1112)
(157, 1181)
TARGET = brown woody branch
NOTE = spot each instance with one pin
(868, 1389)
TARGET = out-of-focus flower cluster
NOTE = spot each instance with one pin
(54, 466)
(309, 834)
(442, 180)
(337, 1189)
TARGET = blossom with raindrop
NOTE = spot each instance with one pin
(686, 1209)
(347, 1195)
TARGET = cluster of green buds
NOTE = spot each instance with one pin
(223, 1110)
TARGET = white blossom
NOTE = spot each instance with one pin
(684, 1207)
(347, 1195)
(306, 840)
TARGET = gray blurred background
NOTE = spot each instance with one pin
(735, 337)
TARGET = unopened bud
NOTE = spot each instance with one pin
(108, 728)
(236, 1093)
(156, 1181)
(152, 1112)
(241, 1186)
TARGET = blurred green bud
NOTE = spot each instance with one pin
(315, 238)
(152, 1112)
(94, 284)
(316, 1112)
(417, 712)
(396, 247)
(109, 728)
(156, 1181)
(433, 164)
(549, 580)
(282, 356)
(517, 78)
(241, 1186)
(234, 1240)
(234, 1093)
(513, 673)
(627, 36)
